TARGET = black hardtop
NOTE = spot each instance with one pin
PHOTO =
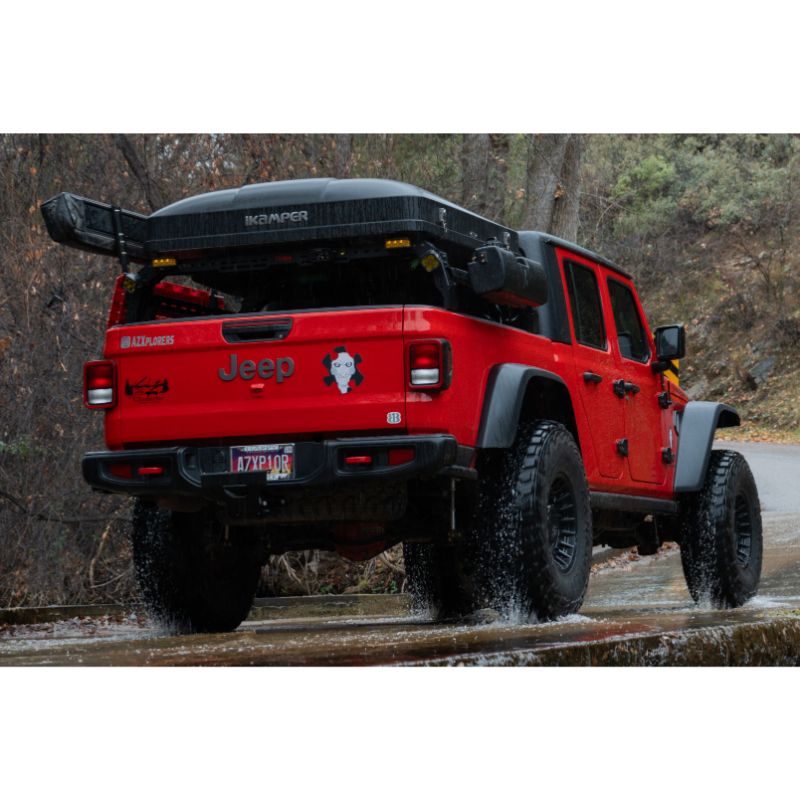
(534, 242)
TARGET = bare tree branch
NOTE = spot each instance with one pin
(153, 195)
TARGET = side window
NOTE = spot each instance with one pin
(584, 299)
(630, 331)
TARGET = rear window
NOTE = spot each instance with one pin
(250, 285)
(584, 299)
(241, 289)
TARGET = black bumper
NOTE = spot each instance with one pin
(203, 472)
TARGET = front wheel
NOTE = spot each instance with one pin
(194, 578)
(721, 545)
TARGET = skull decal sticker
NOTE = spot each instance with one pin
(343, 369)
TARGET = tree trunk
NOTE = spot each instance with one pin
(152, 192)
(567, 202)
(545, 161)
(484, 165)
(343, 142)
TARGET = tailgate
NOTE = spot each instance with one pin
(264, 375)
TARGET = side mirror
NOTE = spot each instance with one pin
(670, 342)
(507, 279)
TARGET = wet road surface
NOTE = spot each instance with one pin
(636, 612)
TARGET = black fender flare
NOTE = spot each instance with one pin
(503, 400)
(696, 434)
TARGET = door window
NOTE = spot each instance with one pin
(630, 331)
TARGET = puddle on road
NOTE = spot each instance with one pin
(388, 640)
(73, 632)
(642, 611)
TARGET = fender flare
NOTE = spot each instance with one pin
(503, 400)
(699, 421)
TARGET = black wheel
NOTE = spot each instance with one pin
(721, 543)
(193, 578)
(537, 526)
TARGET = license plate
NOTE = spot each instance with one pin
(276, 461)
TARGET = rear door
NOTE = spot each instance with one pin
(595, 363)
(259, 376)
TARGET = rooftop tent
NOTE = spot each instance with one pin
(311, 211)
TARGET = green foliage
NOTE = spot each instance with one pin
(649, 179)
(22, 446)
(646, 191)
(695, 183)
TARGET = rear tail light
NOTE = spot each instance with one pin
(429, 364)
(98, 384)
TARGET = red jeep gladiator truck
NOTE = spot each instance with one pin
(350, 364)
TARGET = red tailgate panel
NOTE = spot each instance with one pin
(334, 371)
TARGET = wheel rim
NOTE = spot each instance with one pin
(743, 530)
(562, 527)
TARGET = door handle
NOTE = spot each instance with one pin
(622, 387)
(592, 377)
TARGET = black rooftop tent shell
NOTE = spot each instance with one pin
(316, 209)
(311, 210)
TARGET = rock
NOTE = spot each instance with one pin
(483, 616)
(699, 389)
(759, 372)
(717, 368)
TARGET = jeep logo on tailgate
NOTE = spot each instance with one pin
(280, 368)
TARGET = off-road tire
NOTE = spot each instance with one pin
(721, 543)
(537, 526)
(192, 577)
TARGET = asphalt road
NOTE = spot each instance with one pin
(636, 612)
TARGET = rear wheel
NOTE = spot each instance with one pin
(192, 576)
(722, 543)
(537, 537)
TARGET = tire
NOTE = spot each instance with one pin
(721, 544)
(193, 579)
(536, 532)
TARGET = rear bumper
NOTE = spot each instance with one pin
(204, 472)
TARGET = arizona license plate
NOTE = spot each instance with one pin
(275, 460)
